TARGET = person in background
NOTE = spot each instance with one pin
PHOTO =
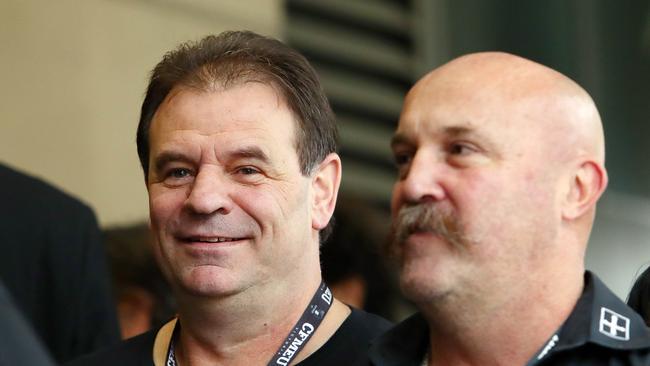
(500, 164)
(639, 297)
(54, 266)
(238, 147)
(352, 262)
(143, 297)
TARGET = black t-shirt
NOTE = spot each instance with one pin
(348, 346)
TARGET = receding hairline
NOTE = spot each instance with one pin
(217, 86)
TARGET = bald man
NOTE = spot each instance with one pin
(500, 164)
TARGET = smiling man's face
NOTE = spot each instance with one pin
(229, 206)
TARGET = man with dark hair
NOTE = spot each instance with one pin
(238, 146)
(500, 165)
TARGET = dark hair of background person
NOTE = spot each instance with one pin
(639, 297)
(143, 297)
(352, 254)
(233, 58)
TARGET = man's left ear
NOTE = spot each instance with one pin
(587, 184)
(326, 180)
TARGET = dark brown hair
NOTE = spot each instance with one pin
(232, 58)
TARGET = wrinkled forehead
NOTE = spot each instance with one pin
(433, 106)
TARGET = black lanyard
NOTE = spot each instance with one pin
(297, 338)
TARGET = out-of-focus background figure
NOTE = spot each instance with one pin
(354, 266)
(18, 343)
(53, 265)
(142, 295)
(639, 298)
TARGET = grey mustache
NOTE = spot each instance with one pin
(427, 217)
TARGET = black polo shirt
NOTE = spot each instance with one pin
(601, 330)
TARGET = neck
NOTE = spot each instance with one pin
(248, 328)
(468, 330)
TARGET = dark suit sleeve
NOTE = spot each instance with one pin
(19, 345)
(54, 267)
(91, 317)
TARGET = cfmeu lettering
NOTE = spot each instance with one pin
(305, 331)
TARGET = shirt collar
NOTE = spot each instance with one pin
(599, 317)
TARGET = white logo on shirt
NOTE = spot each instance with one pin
(614, 325)
(551, 343)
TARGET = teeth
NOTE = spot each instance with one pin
(215, 240)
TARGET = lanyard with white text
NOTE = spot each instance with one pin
(297, 338)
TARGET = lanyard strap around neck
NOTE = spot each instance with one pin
(297, 338)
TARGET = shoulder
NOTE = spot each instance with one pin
(601, 330)
(361, 323)
(358, 329)
(404, 344)
(26, 195)
(36, 189)
(593, 354)
(131, 352)
(349, 345)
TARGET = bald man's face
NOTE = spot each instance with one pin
(477, 194)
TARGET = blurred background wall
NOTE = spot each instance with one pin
(73, 75)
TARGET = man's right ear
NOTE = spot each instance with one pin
(325, 185)
(587, 184)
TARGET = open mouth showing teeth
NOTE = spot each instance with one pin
(211, 240)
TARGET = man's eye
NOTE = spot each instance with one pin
(247, 170)
(460, 149)
(401, 159)
(179, 173)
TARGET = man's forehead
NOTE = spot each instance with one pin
(443, 107)
(247, 102)
(410, 131)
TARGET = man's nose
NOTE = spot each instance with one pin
(209, 193)
(424, 180)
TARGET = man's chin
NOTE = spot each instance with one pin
(423, 287)
(210, 282)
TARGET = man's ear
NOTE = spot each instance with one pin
(588, 182)
(326, 180)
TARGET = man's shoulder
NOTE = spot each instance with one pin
(403, 344)
(601, 330)
(349, 345)
(30, 190)
(361, 322)
(596, 355)
(358, 330)
(136, 351)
